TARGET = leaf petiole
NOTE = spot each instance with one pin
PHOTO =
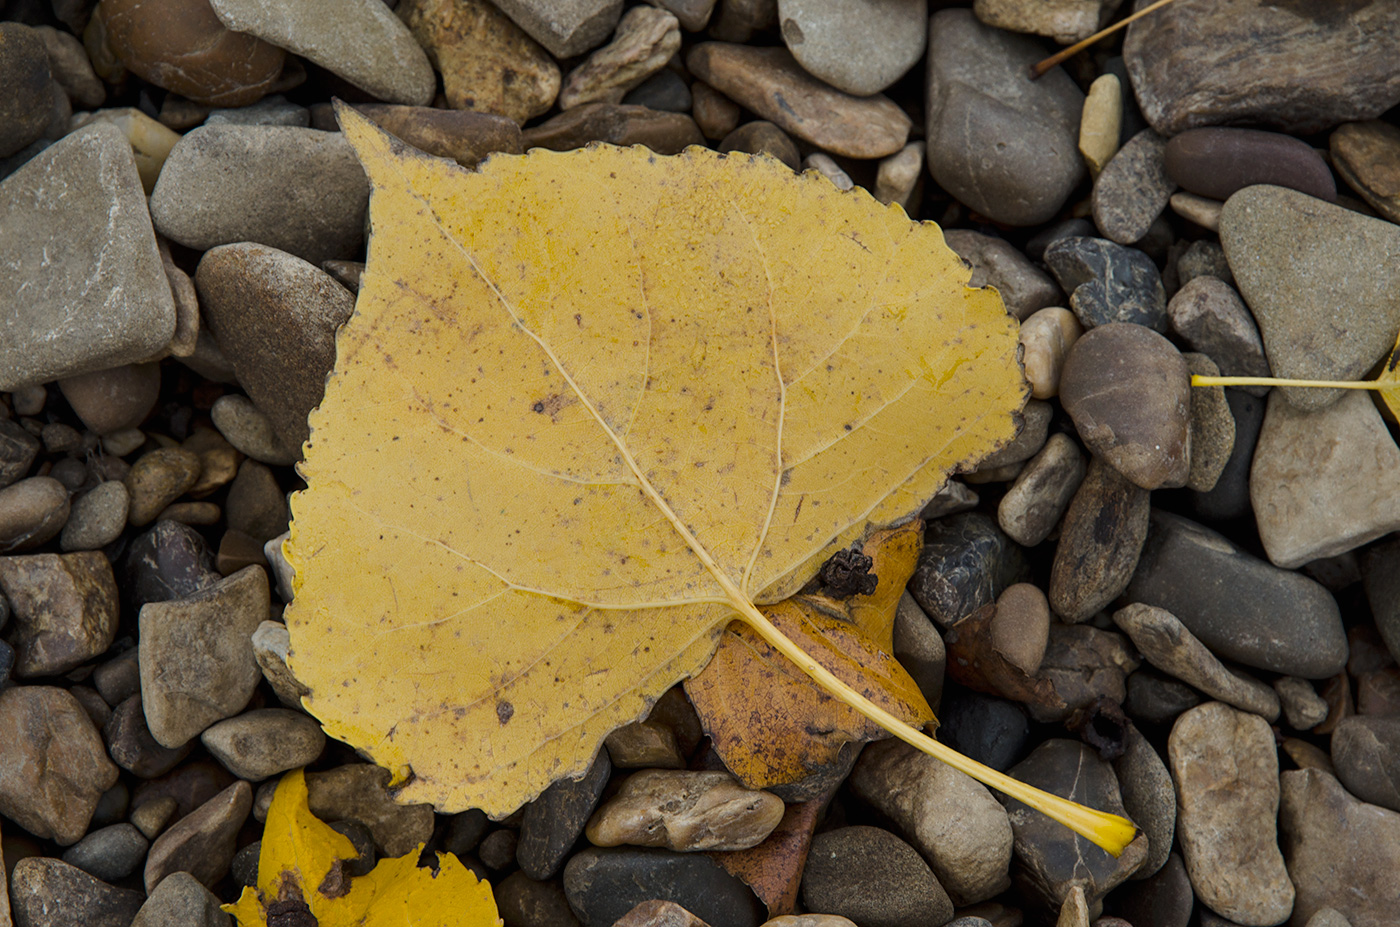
(1198, 380)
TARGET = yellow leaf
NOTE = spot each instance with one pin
(593, 406)
(301, 864)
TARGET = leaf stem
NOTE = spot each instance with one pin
(1109, 831)
(1197, 380)
(1064, 54)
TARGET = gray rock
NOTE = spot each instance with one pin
(1002, 143)
(181, 901)
(197, 663)
(1107, 282)
(1149, 798)
(359, 791)
(522, 900)
(1303, 708)
(170, 561)
(1035, 426)
(64, 610)
(871, 876)
(919, 648)
(298, 190)
(245, 427)
(664, 91)
(1100, 542)
(859, 46)
(262, 743)
(1230, 497)
(761, 137)
(1210, 317)
(553, 822)
(24, 67)
(47, 892)
(202, 842)
(1041, 494)
(114, 399)
(1218, 162)
(1212, 426)
(1024, 288)
(1293, 256)
(565, 27)
(93, 293)
(615, 124)
(1165, 900)
(271, 641)
(18, 448)
(152, 817)
(1154, 698)
(1380, 572)
(1328, 917)
(966, 562)
(97, 517)
(1133, 189)
(604, 884)
(274, 110)
(1242, 608)
(109, 854)
(1366, 752)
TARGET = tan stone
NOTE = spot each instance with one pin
(644, 745)
(65, 609)
(1046, 338)
(1101, 122)
(685, 811)
(201, 843)
(645, 40)
(360, 791)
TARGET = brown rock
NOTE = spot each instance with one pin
(64, 610)
(158, 479)
(360, 791)
(645, 40)
(1065, 21)
(760, 137)
(1022, 626)
(32, 512)
(974, 661)
(685, 811)
(48, 892)
(1212, 427)
(201, 843)
(255, 503)
(773, 869)
(656, 913)
(1101, 540)
(1082, 665)
(29, 85)
(1217, 162)
(770, 83)
(113, 399)
(465, 137)
(714, 113)
(1209, 315)
(644, 745)
(616, 124)
(1032, 507)
(1367, 155)
(130, 744)
(1133, 189)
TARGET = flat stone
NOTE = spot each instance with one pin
(359, 40)
(1000, 142)
(465, 137)
(1201, 210)
(646, 38)
(1101, 540)
(250, 431)
(897, 178)
(1107, 282)
(271, 642)
(32, 512)
(1211, 318)
(1212, 427)
(1293, 256)
(51, 893)
(359, 791)
(859, 46)
(965, 564)
(772, 84)
(1307, 73)
(1167, 645)
(871, 876)
(961, 831)
(488, 63)
(181, 901)
(202, 842)
(1218, 162)
(170, 561)
(522, 900)
(157, 479)
(1165, 900)
(64, 609)
(97, 517)
(1366, 753)
(685, 811)
(615, 124)
(1367, 156)
(1101, 122)
(262, 743)
(1323, 482)
(715, 113)
(1041, 494)
(762, 137)
(110, 853)
(130, 744)
(1132, 189)
(298, 190)
(644, 745)
(94, 293)
(1149, 798)
(197, 663)
(604, 884)
(25, 69)
(565, 27)
(1065, 21)
(1024, 287)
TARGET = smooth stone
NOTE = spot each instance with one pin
(604, 884)
(685, 811)
(69, 65)
(858, 46)
(1210, 317)
(1108, 282)
(1000, 142)
(197, 663)
(1323, 482)
(157, 479)
(54, 768)
(1212, 427)
(25, 70)
(1024, 287)
(152, 817)
(919, 648)
(715, 113)
(282, 573)
(992, 731)
(565, 27)
(524, 902)
(1041, 494)
(553, 822)
(275, 110)
(1380, 574)
(1305, 73)
(119, 678)
(872, 877)
(659, 914)
(645, 40)
(1132, 189)
(644, 745)
(18, 448)
(360, 791)
(664, 90)
(150, 141)
(255, 504)
(1065, 21)
(1367, 156)
(497, 851)
(1293, 257)
(1021, 626)
(1377, 693)
(1204, 258)
(1230, 497)
(1164, 900)
(1046, 338)
(111, 400)
(954, 498)
(1149, 798)
(250, 431)
(1101, 539)
(1052, 859)
(1218, 162)
(63, 610)
(693, 14)
(1366, 754)
(361, 41)
(271, 643)
(897, 177)
(181, 901)
(299, 190)
(1303, 708)
(1157, 699)
(94, 290)
(965, 564)
(110, 853)
(262, 743)
(170, 561)
(202, 842)
(953, 821)
(131, 746)
(761, 137)
(191, 784)
(32, 512)
(772, 84)
(1101, 122)
(1035, 428)
(615, 124)
(1170, 647)
(488, 63)
(1201, 210)
(47, 892)
(466, 137)
(1328, 917)
(1325, 831)
(1082, 665)
(1226, 771)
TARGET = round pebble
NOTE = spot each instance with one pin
(97, 517)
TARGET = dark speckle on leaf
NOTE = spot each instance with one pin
(504, 712)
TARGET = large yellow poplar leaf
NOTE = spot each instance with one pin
(589, 407)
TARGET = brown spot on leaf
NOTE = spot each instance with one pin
(504, 712)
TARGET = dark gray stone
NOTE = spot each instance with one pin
(523, 902)
(604, 884)
(663, 91)
(1230, 497)
(131, 746)
(992, 731)
(1366, 752)
(872, 877)
(553, 822)
(1380, 575)
(1108, 282)
(1149, 797)
(170, 561)
(47, 892)
(18, 448)
(967, 561)
(1157, 699)
(1133, 189)
(1164, 900)
(110, 853)
(1101, 539)
(1024, 287)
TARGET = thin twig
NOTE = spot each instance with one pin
(1198, 380)
(1038, 69)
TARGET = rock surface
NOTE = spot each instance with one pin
(685, 811)
(604, 884)
(859, 46)
(1101, 538)
(41, 887)
(1367, 155)
(871, 876)
(1133, 189)
(63, 607)
(1219, 162)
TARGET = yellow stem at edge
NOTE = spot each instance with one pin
(1197, 380)
(1109, 831)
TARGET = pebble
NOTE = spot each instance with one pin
(604, 884)
(965, 564)
(1201, 210)
(872, 877)
(1046, 338)
(1230, 497)
(152, 817)
(111, 807)
(1035, 427)
(94, 290)
(24, 67)
(1082, 665)
(1054, 860)
(664, 90)
(1021, 626)
(191, 784)
(359, 40)
(565, 27)
(271, 642)
(1132, 189)
(255, 503)
(131, 746)
(770, 83)
(1041, 494)
(1001, 143)
(262, 743)
(1325, 832)
(1101, 539)
(762, 137)
(1065, 21)
(1107, 282)
(659, 914)
(1366, 753)
(615, 124)
(644, 745)
(1210, 317)
(181, 901)
(69, 65)
(497, 851)
(1304, 74)
(1101, 122)
(1149, 797)
(298, 190)
(521, 900)
(685, 811)
(1157, 699)
(1218, 162)
(1167, 645)
(54, 768)
(1226, 772)
(46, 892)
(1165, 900)
(157, 479)
(202, 842)
(858, 46)
(360, 791)
(953, 821)
(63, 610)
(1328, 917)
(192, 513)
(465, 137)
(197, 663)
(646, 38)
(150, 141)
(170, 561)
(897, 178)
(1024, 287)
(250, 431)
(1212, 427)
(18, 448)
(1303, 708)
(1367, 156)
(32, 512)
(715, 113)
(488, 63)
(109, 853)
(1378, 693)
(182, 46)
(114, 399)
(1293, 256)
(553, 822)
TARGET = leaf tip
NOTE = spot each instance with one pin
(371, 143)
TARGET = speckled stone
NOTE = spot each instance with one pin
(859, 46)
